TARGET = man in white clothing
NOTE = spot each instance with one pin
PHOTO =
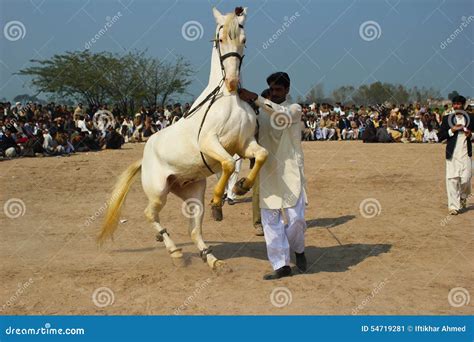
(457, 128)
(282, 192)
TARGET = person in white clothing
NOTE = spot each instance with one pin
(457, 128)
(282, 183)
(81, 123)
(234, 177)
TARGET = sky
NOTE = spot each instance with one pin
(331, 42)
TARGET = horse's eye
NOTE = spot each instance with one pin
(244, 41)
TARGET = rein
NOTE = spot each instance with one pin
(212, 96)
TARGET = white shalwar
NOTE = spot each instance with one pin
(284, 232)
(234, 177)
(458, 170)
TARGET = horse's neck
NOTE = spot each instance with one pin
(215, 75)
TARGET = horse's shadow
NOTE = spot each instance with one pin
(337, 258)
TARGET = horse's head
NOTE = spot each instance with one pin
(230, 43)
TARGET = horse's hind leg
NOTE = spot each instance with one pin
(213, 148)
(252, 150)
(193, 196)
(156, 202)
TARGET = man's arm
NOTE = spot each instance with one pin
(293, 112)
(446, 132)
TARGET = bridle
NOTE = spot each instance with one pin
(213, 94)
(222, 58)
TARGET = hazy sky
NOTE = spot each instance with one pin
(323, 41)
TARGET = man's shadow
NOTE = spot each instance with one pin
(328, 222)
(338, 258)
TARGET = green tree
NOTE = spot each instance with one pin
(97, 78)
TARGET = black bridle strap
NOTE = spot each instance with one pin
(232, 54)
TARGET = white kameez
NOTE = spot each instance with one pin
(458, 170)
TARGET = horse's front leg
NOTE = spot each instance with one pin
(213, 148)
(253, 150)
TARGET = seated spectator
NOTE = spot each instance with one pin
(370, 132)
(51, 146)
(382, 134)
(416, 135)
(113, 140)
(328, 127)
(344, 127)
(8, 145)
(430, 135)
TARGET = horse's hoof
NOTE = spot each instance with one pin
(220, 267)
(239, 188)
(216, 212)
(179, 262)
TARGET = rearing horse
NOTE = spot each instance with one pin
(179, 158)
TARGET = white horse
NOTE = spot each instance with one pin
(179, 158)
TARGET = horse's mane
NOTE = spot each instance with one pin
(231, 27)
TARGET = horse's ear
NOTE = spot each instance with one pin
(218, 16)
(242, 15)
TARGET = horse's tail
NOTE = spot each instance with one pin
(116, 201)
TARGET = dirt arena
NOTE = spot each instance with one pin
(404, 260)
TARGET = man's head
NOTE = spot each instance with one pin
(459, 102)
(279, 85)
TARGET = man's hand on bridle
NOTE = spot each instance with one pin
(247, 95)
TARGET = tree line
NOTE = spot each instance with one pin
(129, 80)
(374, 93)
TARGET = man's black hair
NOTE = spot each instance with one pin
(279, 78)
(459, 99)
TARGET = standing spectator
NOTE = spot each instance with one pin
(457, 129)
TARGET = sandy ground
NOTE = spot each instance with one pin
(404, 260)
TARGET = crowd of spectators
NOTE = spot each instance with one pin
(33, 129)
